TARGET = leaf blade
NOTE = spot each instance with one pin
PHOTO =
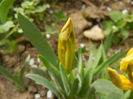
(33, 34)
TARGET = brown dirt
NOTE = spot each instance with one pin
(14, 61)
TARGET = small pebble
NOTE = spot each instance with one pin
(48, 36)
(20, 30)
(120, 2)
(93, 58)
(131, 2)
(109, 9)
(82, 45)
(84, 58)
(38, 60)
(49, 94)
(35, 66)
(97, 26)
(98, 20)
(125, 11)
(83, 6)
(31, 62)
(47, 5)
(37, 96)
(116, 51)
(114, 27)
(95, 33)
(51, 12)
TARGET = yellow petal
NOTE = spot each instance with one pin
(128, 60)
(130, 52)
(120, 80)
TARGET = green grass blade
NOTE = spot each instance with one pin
(44, 82)
(80, 64)
(64, 79)
(37, 39)
(4, 9)
(6, 73)
(52, 70)
(24, 67)
(93, 48)
(108, 43)
(98, 56)
(108, 62)
(74, 89)
(41, 73)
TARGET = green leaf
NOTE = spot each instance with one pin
(44, 82)
(41, 73)
(24, 67)
(93, 48)
(4, 9)
(6, 26)
(108, 43)
(80, 64)
(6, 73)
(51, 68)
(39, 9)
(74, 89)
(124, 33)
(107, 88)
(107, 26)
(49, 30)
(37, 39)
(108, 62)
(121, 24)
(60, 16)
(64, 80)
(127, 94)
(28, 5)
(116, 15)
(0, 1)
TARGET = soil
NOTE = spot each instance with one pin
(74, 8)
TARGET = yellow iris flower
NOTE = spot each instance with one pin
(66, 45)
(126, 65)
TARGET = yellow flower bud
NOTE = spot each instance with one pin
(66, 45)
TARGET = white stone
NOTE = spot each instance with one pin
(48, 36)
(37, 96)
(125, 11)
(51, 12)
(20, 30)
(95, 33)
(47, 5)
(31, 62)
(49, 95)
(114, 27)
(83, 6)
(131, 2)
(98, 20)
(93, 58)
(84, 58)
(38, 60)
(35, 66)
(116, 51)
(82, 45)
(109, 9)
(97, 26)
